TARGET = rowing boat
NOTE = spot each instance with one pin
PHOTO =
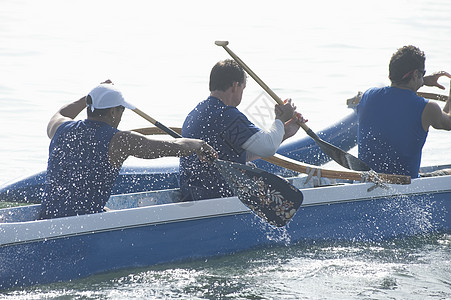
(149, 225)
(148, 228)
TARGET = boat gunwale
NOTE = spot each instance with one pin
(135, 217)
(194, 210)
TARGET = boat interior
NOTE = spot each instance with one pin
(157, 197)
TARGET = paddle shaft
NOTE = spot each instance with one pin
(156, 123)
(355, 100)
(433, 96)
(263, 85)
(341, 157)
(294, 165)
(154, 130)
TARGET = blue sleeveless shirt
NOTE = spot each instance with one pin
(226, 129)
(79, 175)
(391, 134)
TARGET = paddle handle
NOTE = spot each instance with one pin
(260, 82)
(157, 124)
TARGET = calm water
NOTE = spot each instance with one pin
(319, 54)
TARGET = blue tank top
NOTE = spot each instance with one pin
(79, 175)
(226, 129)
(391, 134)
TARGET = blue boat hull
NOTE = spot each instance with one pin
(369, 218)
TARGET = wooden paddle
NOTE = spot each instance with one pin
(433, 96)
(155, 130)
(356, 99)
(297, 166)
(343, 158)
(291, 164)
(269, 196)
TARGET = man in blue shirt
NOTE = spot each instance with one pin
(394, 121)
(85, 156)
(217, 121)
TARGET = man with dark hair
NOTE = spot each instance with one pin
(404, 62)
(218, 122)
(394, 121)
(85, 156)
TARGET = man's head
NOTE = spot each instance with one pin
(103, 97)
(406, 63)
(224, 74)
(106, 102)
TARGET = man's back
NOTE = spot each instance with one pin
(79, 174)
(391, 135)
(225, 129)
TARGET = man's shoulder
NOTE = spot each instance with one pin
(63, 125)
(377, 90)
(210, 111)
(389, 92)
(231, 111)
(432, 110)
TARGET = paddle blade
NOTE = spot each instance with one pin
(343, 158)
(338, 155)
(269, 196)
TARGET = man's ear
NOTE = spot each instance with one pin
(419, 74)
(113, 112)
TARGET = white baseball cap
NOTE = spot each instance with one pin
(106, 96)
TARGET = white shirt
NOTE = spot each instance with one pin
(265, 143)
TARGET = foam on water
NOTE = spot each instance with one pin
(398, 269)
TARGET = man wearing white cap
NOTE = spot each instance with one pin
(85, 156)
